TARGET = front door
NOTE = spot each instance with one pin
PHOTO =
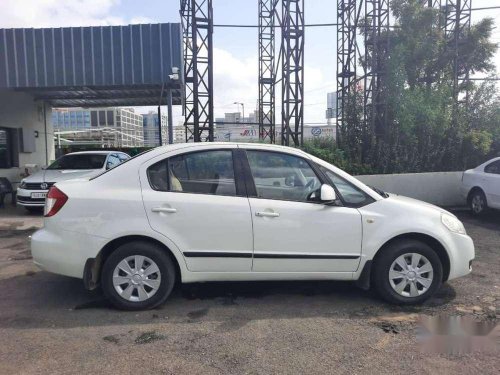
(194, 200)
(292, 233)
(491, 178)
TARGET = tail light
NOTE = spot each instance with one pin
(54, 201)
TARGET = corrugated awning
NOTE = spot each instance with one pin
(93, 66)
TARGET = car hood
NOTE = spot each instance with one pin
(415, 202)
(56, 175)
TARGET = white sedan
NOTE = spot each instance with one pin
(33, 189)
(228, 212)
(481, 186)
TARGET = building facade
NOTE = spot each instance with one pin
(151, 129)
(101, 127)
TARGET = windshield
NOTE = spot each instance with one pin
(79, 161)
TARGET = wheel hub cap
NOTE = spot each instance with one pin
(411, 275)
(136, 278)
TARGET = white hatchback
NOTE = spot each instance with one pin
(230, 212)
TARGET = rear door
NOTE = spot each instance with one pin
(194, 199)
(292, 232)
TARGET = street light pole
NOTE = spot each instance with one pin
(169, 117)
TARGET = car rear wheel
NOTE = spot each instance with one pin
(477, 202)
(138, 276)
(407, 272)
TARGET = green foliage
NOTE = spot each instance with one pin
(326, 149)
(424, 129)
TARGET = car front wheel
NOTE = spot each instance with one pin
(138, 276)
(407, 272)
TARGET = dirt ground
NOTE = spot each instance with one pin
(50, 324)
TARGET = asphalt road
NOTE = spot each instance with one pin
(50, 324)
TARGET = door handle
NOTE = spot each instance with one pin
(267, 214)
(169, 210)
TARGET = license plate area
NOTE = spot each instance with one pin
(38, 195)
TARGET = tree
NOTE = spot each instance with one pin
(424, 130)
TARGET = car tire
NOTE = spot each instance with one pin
(140, 287)
(477, 202)
(388, 273)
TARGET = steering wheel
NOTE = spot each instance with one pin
(309, 184)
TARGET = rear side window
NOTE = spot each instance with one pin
(493, 167)
(112, 162)
(207, 172)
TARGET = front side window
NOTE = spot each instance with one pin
(351, 195)
(207, 172)
(493, 167)
(81, 161)
(282, 176)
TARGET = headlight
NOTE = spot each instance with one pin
(453, 224)
(22, 185)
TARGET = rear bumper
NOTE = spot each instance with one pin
(64, 252)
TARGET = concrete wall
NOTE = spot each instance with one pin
(19, 110)
(440, 188)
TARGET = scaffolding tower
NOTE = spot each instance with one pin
(197, 26)
(348, 54)
(292, 72)
(376, 23)
(267, 73)
(457, 24)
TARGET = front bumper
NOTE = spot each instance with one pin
(461, 252)
(23, 198)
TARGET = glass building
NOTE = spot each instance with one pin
(104, 127)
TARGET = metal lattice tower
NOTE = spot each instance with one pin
(197, 25)
(374, 100)
(267, 74)
(457, 24)
(292, 78)
(348, 13)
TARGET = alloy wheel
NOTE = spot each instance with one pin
(411, 275)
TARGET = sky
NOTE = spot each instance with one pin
(235, 50)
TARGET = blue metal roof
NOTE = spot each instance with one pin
(80, 65)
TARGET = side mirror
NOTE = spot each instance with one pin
(327, 194)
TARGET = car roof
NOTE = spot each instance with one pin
(176, 146)
(94, 152)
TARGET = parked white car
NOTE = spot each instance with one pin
(481, 186)
(227, 212)
(33, 189)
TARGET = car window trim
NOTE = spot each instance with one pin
(239, 185)
(368, 200)
(250, 182)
